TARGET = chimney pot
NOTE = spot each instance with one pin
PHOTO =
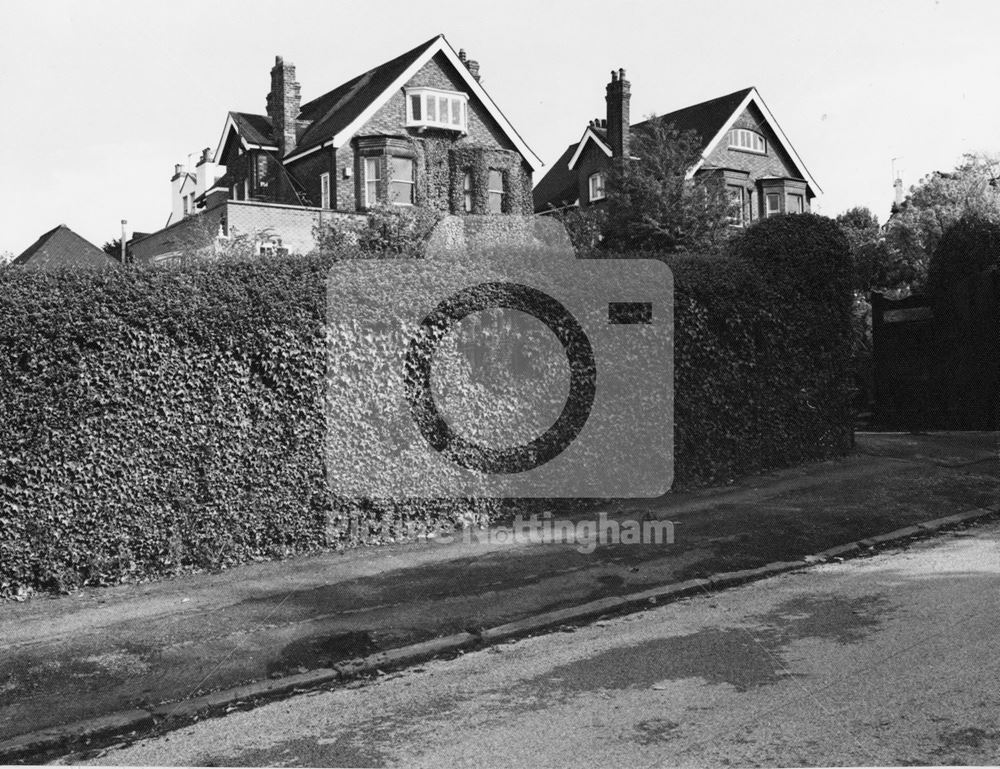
(178, 169)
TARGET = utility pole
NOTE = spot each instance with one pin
(124, 222)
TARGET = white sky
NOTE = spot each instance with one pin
(101, 99)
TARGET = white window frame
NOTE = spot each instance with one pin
(800, 203)
(324, 189)
(768, 211)
(412, 181)
(491, 191)
(745, 140)
(456, 105)
(370, 175)
(595, 186)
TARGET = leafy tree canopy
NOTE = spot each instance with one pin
(936, 203)
(651, 204)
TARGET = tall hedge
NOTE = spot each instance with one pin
(157, 420)
(761, 374)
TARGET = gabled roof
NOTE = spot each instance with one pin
(558, 188)
(254, 132)
(336, 110)
(707, 118)
(333, 118)
(340, 113)
(711, 120)
(750, 96)
(598, 136)
(61, 247)
(255, 129)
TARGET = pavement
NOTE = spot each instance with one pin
(149, 657)
(887, 660)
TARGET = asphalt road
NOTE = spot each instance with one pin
(887, 660)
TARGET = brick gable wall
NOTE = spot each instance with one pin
(433, 182)
(775, 163)
(591, 159)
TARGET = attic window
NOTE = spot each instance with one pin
(430, 107)
(747, 141)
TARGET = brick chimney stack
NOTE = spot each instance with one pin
(470, 64)
(283, 105)
(618, 97)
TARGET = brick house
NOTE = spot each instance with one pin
(417, 130)
(742, 145)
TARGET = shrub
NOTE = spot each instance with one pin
(760, 380)
(966, 249)
(386, 231)
(806, 254)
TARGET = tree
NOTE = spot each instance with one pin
(113, 248)
(876, 267)
(651, 202)
(936, 203)
(6, 257)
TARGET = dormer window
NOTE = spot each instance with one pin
(433, 108)
(746, 140)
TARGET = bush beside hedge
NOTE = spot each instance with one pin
(159, 420)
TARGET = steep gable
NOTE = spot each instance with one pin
(706, 119)
(558, 188)
(338, 115)
(336, 110)
(61, 247)
(711, 120)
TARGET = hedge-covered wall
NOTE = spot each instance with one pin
(762, 351)
(156, 420)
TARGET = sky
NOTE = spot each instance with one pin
(101, 98)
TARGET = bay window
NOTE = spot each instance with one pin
(435, 108)
(401, 181)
